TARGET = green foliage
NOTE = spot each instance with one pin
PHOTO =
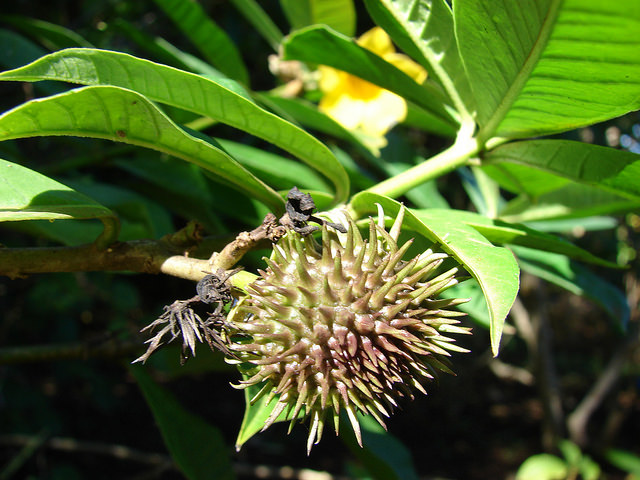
(549, 467)
(501, 74)
(197, 447)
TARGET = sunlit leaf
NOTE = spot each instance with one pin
(539, 67)
(29, 195)
(125, 116)
(494, 268)
(497, 231)
(189, 92)
(615, 170)
(255, 415)
(542, 467)
(570, 201)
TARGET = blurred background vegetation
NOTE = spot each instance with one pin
(69, 407)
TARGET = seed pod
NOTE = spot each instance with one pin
(346, 325)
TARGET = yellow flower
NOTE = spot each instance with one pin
(361, 106)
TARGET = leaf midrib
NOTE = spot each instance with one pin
(523, 75)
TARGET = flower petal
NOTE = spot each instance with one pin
(377, 41)
(408, 66)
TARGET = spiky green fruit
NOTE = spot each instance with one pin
(348, 325)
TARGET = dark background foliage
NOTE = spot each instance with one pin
(76, 409)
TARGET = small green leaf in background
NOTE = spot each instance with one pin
(278, 171)
(340, 15)
(52, 36)
(196, 446)
(549, 66)
(577, 279)
(253, 12)
(624, 460)
(122, 115)
(495, 268)
(212, 41)
(542, 467)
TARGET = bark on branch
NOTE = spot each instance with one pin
(169, 255)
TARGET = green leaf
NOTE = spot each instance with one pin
(279, 172)
(122, 115)
(383, 456)
(476, 307)
(256, 415)
(208, 38)
(547, 66)
(52, 36)
(614, 170)
(340, 15)
(189, 92)
(576, 279)
(15, 50)
(197, 447)
(497, 231)
(320, 45)
(28, 195)
(263, 24)
(180, 187)
(494, 268)
(571, 201)
(626, 461)
(542, 467)
(521, 179)
(424, 30)
(162, 50)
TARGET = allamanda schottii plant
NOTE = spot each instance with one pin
(348, 315)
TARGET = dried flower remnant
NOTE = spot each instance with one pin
(180, 320)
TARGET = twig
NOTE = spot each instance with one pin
(510, 372)
(72, 445)
(111, 348)
(168, 255)
(156, 460)
(546, 375)
(270, 231)
(579, 419)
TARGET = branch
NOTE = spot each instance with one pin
(270, 231)
(110, 348)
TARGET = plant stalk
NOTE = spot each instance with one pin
(446, 161)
